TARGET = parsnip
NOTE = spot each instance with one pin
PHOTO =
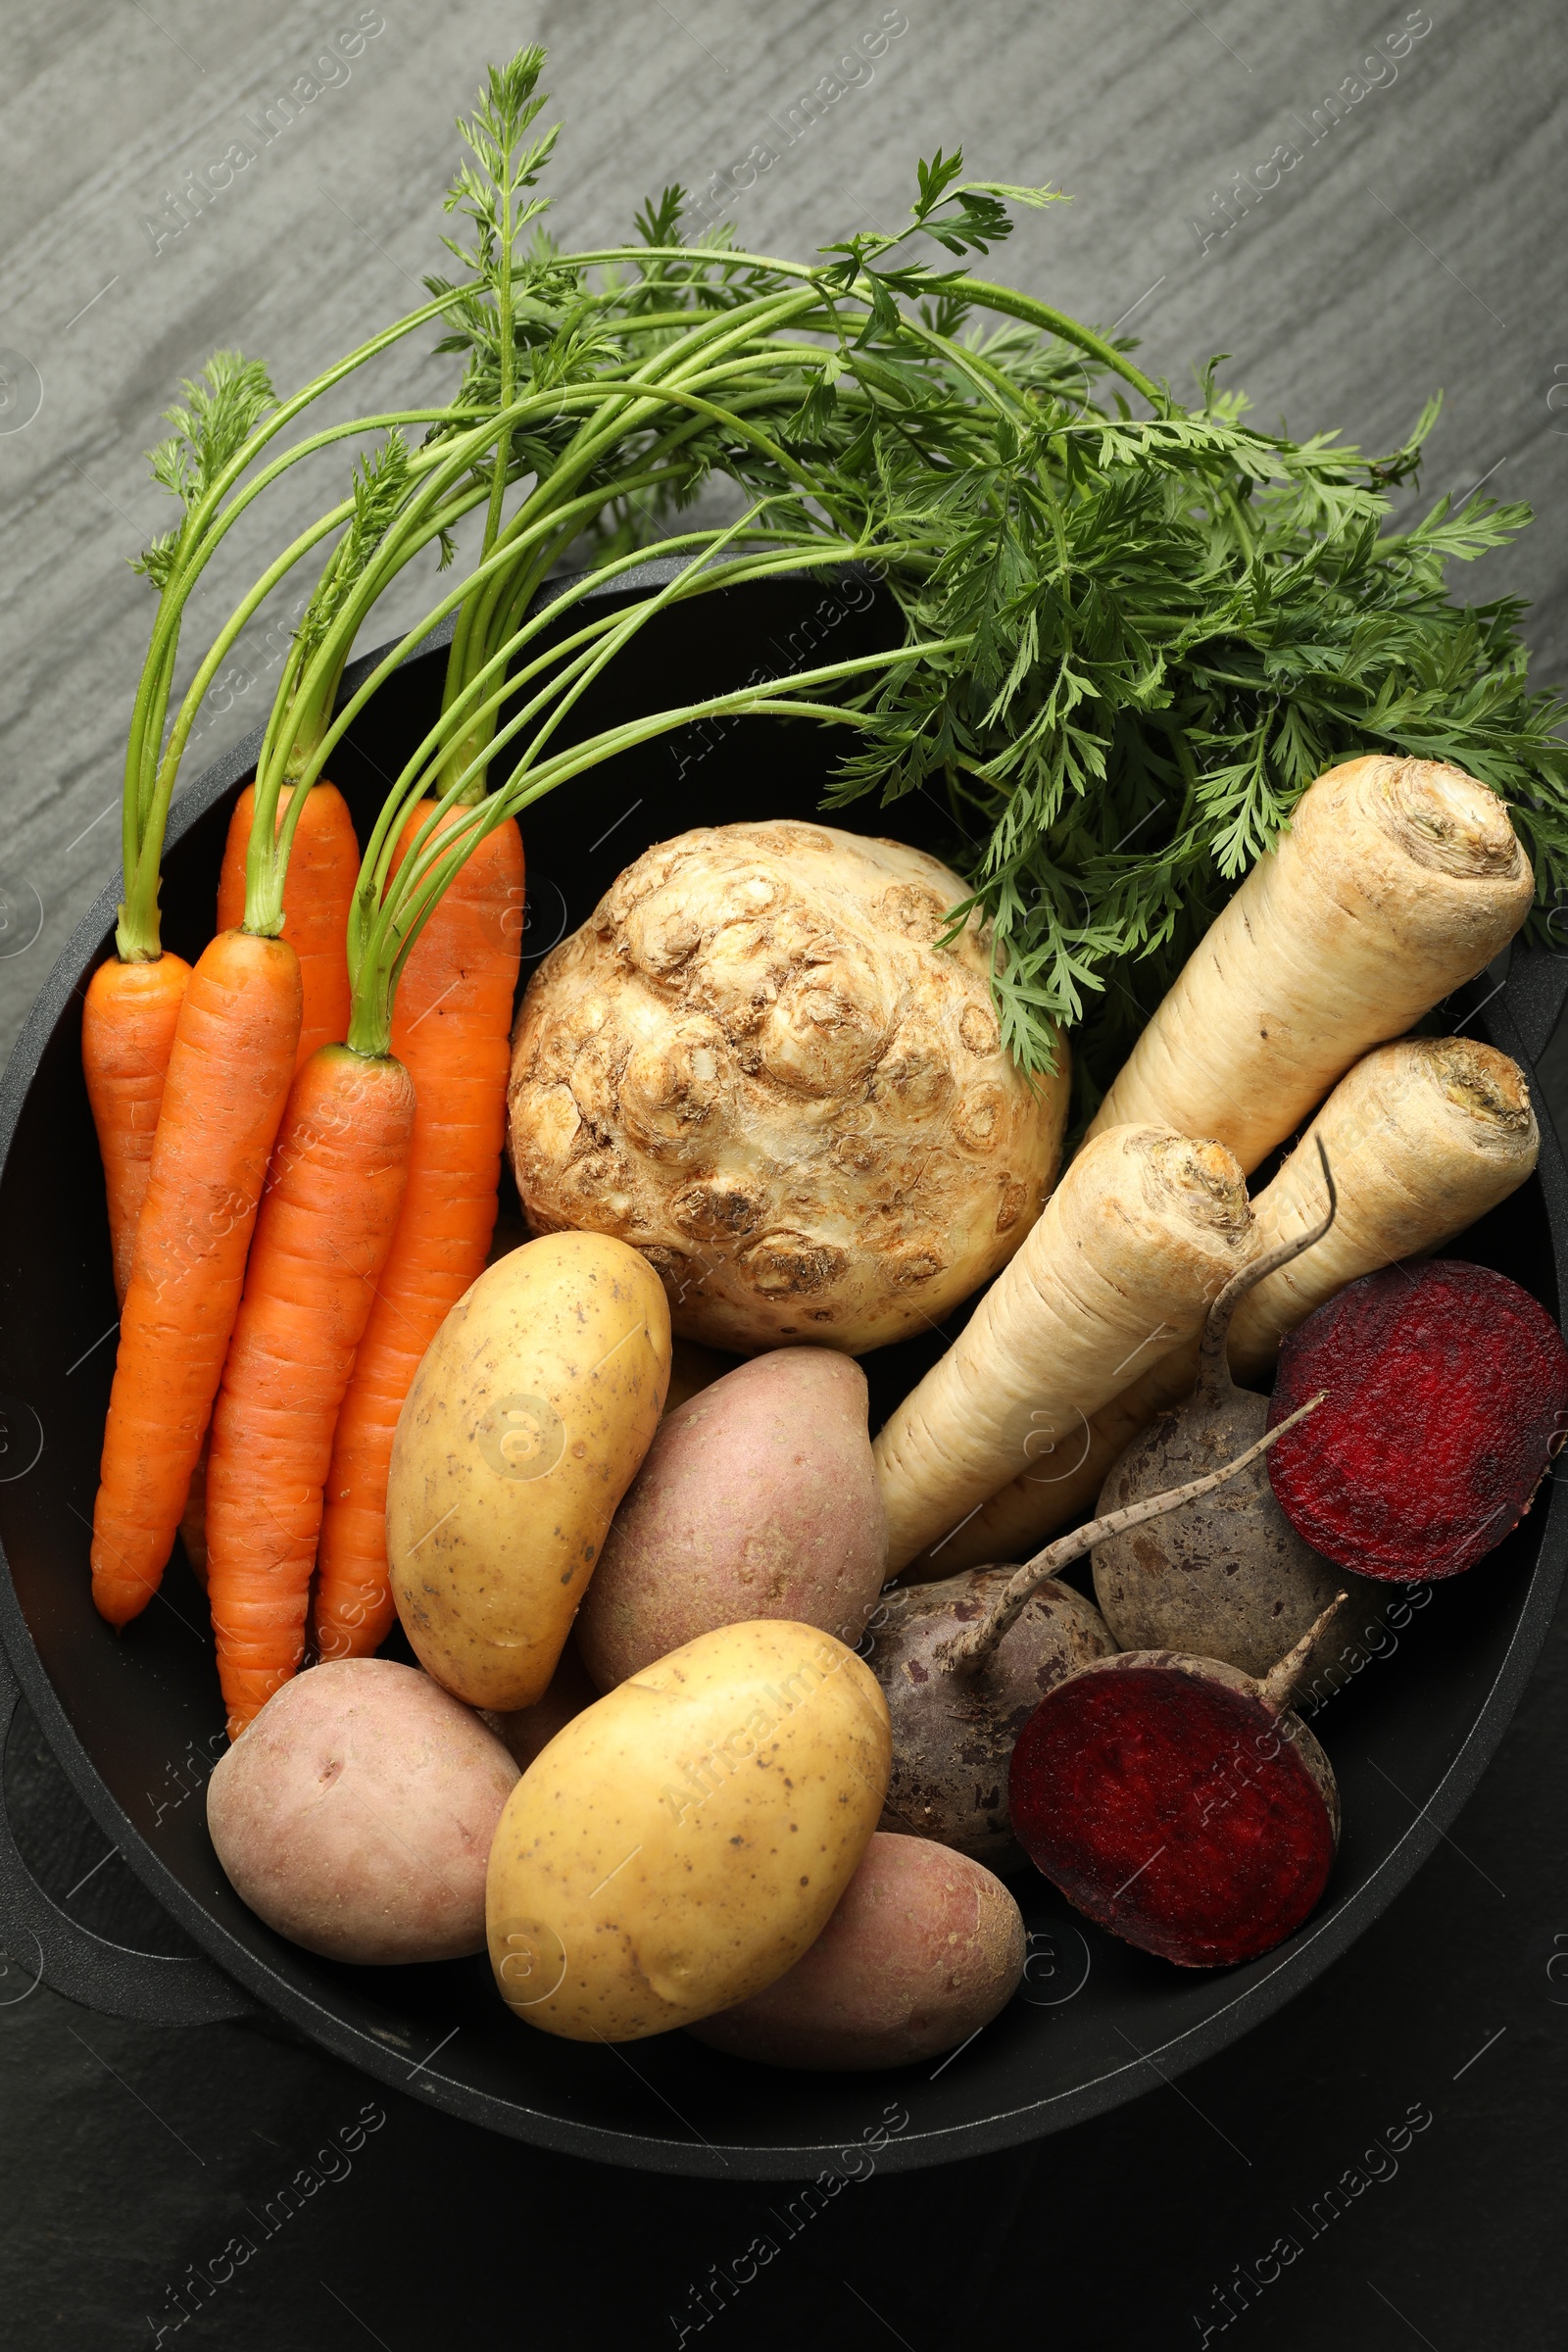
(1396, 880)
(1059, 1486)
(1143, 1231)
(1424, 1136)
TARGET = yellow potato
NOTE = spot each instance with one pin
(526, 1422)
(681, 1843)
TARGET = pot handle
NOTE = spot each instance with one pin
(41, 1945)
(1530, 1004)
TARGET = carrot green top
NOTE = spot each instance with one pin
(1129, 641)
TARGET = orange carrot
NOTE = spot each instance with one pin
(228, 1079)
(451, 1027)
(127, 1033)
(133, 1003)
(322, 868)
(317, 888)
(332, 1197)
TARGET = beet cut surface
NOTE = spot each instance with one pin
(1447, 1396)
(1173, 1807)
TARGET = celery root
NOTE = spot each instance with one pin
(1138, 1236)
(1398, 880)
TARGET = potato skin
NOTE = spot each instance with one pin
(356, 1814)
(526, 1422)
(684, 1840)
(754, 1062)
(757, 1498)
(925, 1947)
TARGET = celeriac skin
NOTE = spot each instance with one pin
(755, 1063)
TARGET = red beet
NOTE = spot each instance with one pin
(962, 1663)
(1178, 1803)
(1229, 1576)
(1448, 1397)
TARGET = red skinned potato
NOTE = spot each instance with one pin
(355, 1815)
(924, 1948)
(759, 1497)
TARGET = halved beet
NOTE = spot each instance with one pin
(962, 1663)
(1447, 1398)
(1173, 1803)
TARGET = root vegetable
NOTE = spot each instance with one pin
(1143, 1231)
(1063, 1482)
(1447, 1397)
(952, 1735)
(317, 892)
(754, 1064)
(356, 1815)
(1424, 1136)
(228, 1077)
(963, 1664)
(451, 1029)
(526, 1422)
(326, 1221)
(757, 1498)
(924, 1948)
(127, 1034)
(1229, 1576)
(686, 1839)
(1396, 880)
(1179, 1803)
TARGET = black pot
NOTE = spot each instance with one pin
(136, 1722)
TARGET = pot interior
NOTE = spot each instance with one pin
(135, 1717)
